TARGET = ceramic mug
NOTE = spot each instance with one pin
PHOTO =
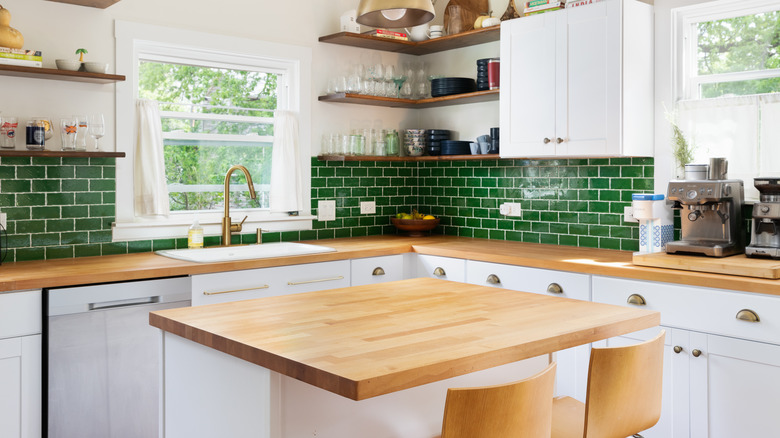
(436, 31)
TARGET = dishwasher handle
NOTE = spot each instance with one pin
(123, 303)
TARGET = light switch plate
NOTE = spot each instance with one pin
(511, 209)
(326, 210)
(367, 207)
(628, 215)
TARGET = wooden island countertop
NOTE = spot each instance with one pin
(364, 341)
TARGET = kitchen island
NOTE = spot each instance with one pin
(361, 361)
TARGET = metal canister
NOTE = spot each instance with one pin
(494, 73)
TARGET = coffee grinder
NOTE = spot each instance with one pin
(765, 227)
(710, 213)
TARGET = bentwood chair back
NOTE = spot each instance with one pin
(623, 397)
(512, 410)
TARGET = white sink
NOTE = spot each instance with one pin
(245, 252)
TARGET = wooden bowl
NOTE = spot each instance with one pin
(415, 227)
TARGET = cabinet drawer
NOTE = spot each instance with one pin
(266, 282)
(446, 268)
(520, 278)
(20, 313)
(373, 270)
(695, 308)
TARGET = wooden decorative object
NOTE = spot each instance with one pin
(469, 11)
(511, 11)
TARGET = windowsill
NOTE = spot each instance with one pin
(177, 228)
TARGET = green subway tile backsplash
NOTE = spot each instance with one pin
(64, 207)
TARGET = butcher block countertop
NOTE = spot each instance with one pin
(105, 269)
(364, 341)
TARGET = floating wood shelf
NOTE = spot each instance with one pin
(449, 42)
(101, 4)
(59, 75)
(432, 102)
(425, 158)
(71, 154)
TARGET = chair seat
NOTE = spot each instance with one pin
(568, 417)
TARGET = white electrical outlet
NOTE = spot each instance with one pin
(3, 219)
(326, 210)
(367, 207)
(511, 209)
(628, 215)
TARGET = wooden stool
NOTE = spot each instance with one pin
(512, 410)
(623, 397)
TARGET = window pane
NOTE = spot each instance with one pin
(739, 44)
(740, 88)
(213, 118)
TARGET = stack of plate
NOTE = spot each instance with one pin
(447, 86)
(482, 74)
(433, 139)
(452, 147)
(414, 142)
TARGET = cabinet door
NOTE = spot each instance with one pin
(734, 388)
(20, 387)
(372, 270)
(527, 101)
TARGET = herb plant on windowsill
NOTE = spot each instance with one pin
(682, 150)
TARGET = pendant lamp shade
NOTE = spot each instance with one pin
(394, 13)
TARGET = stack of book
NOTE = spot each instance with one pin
(384, 33)
(22, 57)
(534, 7)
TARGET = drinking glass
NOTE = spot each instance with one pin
(97, 128)
(81, 133)
(389, 84)
(9, 126)
(68, 133)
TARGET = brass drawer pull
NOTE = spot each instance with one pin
(493, 279)
(296, 283)
(678, 349)
(555, 288)
(748, 316)
(439, 272)
(696, 353)
(265, 286)
(637, 300)
(378, 271)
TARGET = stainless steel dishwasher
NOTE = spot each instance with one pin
(102, 359)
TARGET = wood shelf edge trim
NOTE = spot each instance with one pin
(393, 102)
(64, 154)
(423, 158)
(449, 42)
(56, 74)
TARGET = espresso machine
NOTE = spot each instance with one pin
(710, 212)
(765, 227)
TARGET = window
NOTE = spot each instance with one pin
(728, 84)
(217, 96)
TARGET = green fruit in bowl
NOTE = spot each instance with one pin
(406, 216)
(399, 216)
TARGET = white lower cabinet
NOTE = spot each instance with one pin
(722, 361)
(572, 370)
(20, 364)
(224, 287)
(372, 270)
(445, 268)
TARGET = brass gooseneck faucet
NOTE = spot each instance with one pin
(228, 227)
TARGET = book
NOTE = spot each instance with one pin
(20, 62)
(18, 56)
(536, 3)
(574, 4)
(20, 51)
(384, 33)
(546, 6)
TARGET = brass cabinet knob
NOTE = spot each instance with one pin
(559, 140)
(696, 353)
(439, 272)
(748, 316)
(378, 271)
(554, 288)
(678, 349)
(493, 279)
(546, 140)
(637, 300)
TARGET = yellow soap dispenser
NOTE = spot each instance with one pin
(195, 235)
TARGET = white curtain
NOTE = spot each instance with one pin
(286, 186)
(150, 189)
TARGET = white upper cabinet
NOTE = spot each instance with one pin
(578, 82)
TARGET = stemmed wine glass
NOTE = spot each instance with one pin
(97, 128)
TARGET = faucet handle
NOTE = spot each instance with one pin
(242, 221)
(235, 228)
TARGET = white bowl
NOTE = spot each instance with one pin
(96, 67)
(67, 64)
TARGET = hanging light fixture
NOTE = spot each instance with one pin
(394, 13)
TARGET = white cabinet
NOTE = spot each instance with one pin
(266, 282)
(572, 371)
(20, 364)
(722, 368)
(445, 268)
(578, 82)
(372, 270)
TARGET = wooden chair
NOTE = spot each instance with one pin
(515, 410)
(623, 396)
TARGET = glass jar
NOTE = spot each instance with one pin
(392, 143)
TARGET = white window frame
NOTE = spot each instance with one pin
(135, 41)
(686, 79)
